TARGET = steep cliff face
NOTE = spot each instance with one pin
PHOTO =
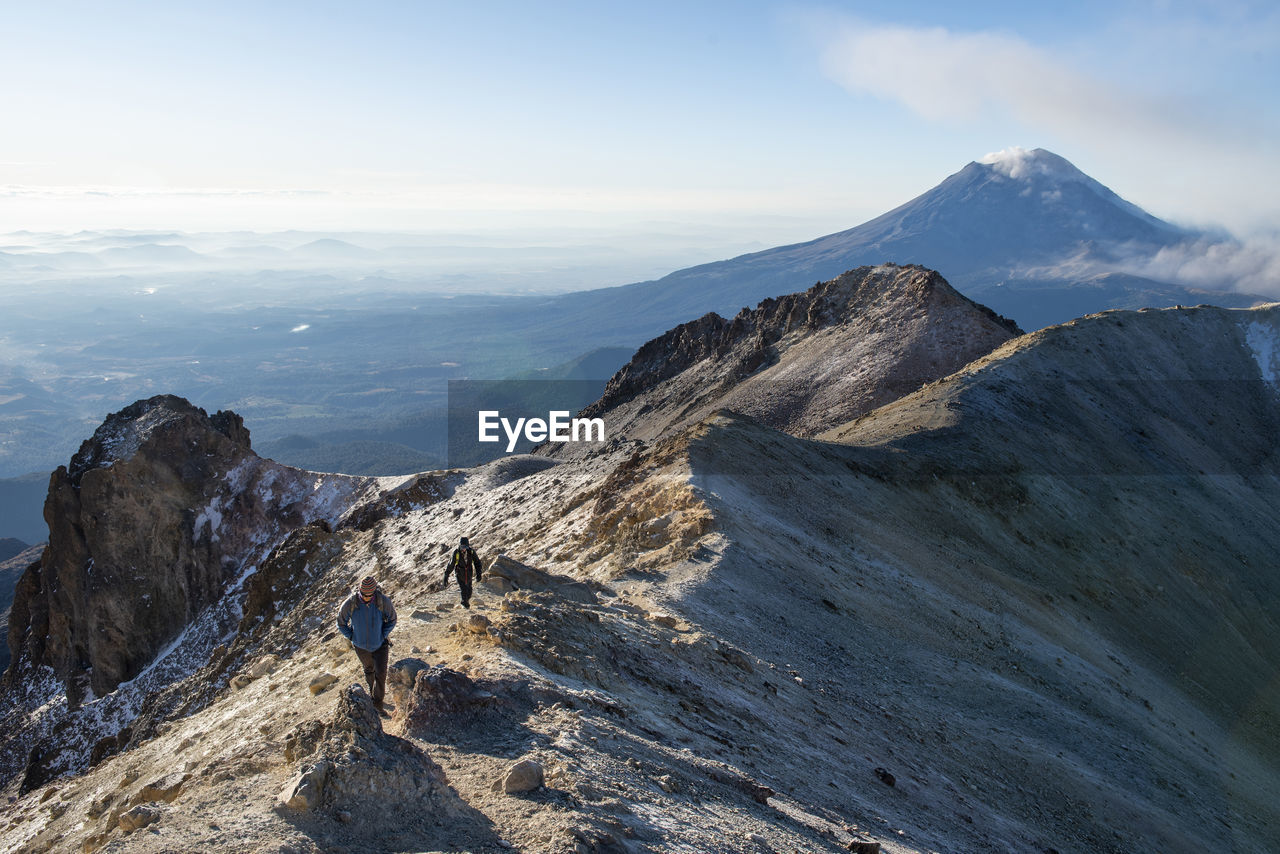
(155, 518)
(807, 361)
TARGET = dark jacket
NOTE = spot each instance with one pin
(367, 624)
(464, 562)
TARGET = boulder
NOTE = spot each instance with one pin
(166, 789)
(498, 584)
(305, 790)
(356, 714)
(662, 618)
(515, 575)
(139, 816)
(346, 763)
(324, 680)
(263, 665)
(524, 776)
(404, 672)
(443, 698)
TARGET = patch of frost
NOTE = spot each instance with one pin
(211, 516)
(1264, 341)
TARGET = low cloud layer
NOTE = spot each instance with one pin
(1251, 266)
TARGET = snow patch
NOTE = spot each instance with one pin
(1264, 341)
(1018, 163)
(211, 516)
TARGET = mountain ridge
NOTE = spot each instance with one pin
(804, 361)
(929, 634)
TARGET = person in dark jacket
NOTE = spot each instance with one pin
(462, 563)
(366, 619)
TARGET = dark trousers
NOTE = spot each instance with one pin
(375, 669)
(464, 584)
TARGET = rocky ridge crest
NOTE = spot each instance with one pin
(805, 362)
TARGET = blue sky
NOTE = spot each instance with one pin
(436, 115)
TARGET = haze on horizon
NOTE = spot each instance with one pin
(754, 118)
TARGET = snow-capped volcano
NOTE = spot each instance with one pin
(1010, 212)
(1022, 231)
(1038, 166)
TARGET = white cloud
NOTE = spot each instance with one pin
(1191, 153)
(947, 76)
(1251, 266)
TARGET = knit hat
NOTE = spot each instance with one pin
(367, 586)
(464, 542)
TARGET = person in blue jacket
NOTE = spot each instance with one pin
(366, 619)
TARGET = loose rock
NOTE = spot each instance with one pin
(164, 789)
(524, 776)
(263, 665)
(664, 619)
(139, 816)
(405, 671)
(324, 680)
(305, 791)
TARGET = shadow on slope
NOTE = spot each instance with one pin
(1040, 590)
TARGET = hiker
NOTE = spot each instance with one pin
(366, 619)
(464, 560)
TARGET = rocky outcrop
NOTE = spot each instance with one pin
(348, 762)
(443, 699)
(163, 512)
(806, 361)
(506, 574)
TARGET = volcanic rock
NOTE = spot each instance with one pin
(524, 776)
(804, 362)
(154, 519)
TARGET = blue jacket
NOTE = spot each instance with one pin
(367, 624)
